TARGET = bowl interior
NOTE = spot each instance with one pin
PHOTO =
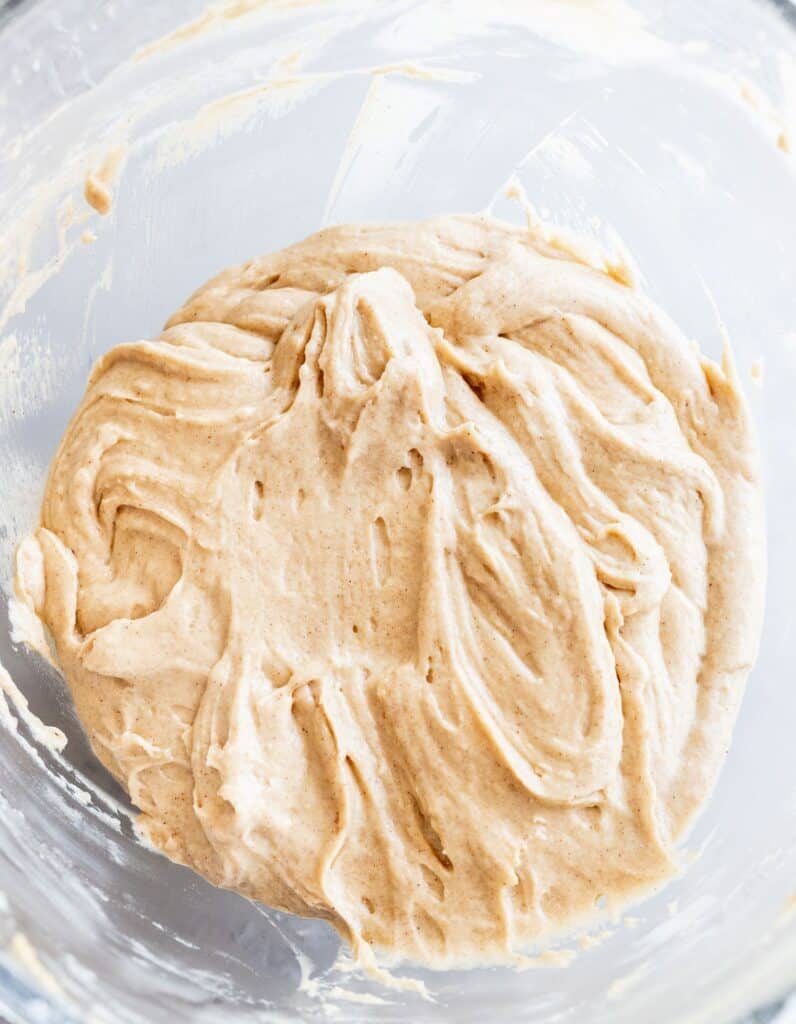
(650, 130)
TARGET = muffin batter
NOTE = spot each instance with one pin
(409, 579)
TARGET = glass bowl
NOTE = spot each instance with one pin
(225, 132)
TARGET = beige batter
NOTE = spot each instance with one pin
(409, 579)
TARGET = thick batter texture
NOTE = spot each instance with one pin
(410, 579)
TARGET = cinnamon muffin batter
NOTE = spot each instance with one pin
(409, 579)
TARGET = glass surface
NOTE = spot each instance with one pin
(659, 134)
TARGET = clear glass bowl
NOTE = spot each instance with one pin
(245, 132)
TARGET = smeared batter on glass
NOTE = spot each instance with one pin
(410, 579)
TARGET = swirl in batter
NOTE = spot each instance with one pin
(409, 579)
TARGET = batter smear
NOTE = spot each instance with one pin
(410, 579)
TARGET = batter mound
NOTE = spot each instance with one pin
(410, 579)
